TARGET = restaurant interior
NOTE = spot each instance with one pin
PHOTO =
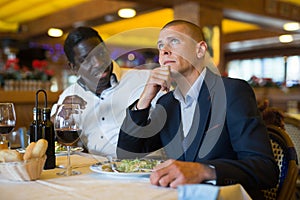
(244, 39)
(257, 41)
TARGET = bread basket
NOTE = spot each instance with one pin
(27, 170)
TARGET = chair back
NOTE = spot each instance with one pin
(286, 158)
(292, 127)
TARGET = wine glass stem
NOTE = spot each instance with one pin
(69, 167)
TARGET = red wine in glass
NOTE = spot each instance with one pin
(68, 137)
(4, 129)
(7, 122)
(67, 126)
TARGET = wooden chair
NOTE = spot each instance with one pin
(286, 157)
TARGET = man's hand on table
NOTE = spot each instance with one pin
(173, 173)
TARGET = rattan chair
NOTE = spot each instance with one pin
(286, 157)
(292, 127)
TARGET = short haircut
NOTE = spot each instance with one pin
(76, 36)
(194, 30)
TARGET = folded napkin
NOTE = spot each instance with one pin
(211, 192)
(198, 191)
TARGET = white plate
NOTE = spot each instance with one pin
(59, 153)
(97, 168)
(73, 150)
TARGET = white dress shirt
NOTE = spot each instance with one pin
(188, 106)
(189, 102)
(104, 114)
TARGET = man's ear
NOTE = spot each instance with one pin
(201, 49)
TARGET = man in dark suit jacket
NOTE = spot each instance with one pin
(209, 126)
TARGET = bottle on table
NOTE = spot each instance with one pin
(34, 128)
(42, 127)
(47, 130)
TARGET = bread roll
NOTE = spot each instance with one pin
(36, 149)
(7, 155)
(28, 151)
(40, 148)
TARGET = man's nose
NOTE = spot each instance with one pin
(94, 64)
(166, 50)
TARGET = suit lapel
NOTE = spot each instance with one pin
(209, 103)
(209, 117)
(201, 117)
(172, 133)
(217, 115)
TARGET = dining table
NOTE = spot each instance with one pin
(91, 184)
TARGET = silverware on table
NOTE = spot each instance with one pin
(112, 164)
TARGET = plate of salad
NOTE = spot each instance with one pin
(126, 167)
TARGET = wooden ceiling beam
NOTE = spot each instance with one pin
(268, 14)
(66, 18)
(157, 2)
(265, 8)
(248, 35)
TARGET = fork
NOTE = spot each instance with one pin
(112, 164)
(114, 167)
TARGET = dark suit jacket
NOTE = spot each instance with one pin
(227, 132)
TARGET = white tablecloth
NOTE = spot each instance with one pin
(91, 185)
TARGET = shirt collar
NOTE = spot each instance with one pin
(113, 81)
(193, 93)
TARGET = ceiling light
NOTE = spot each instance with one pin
(285, 38)
(55, 32)
(131, 57)
(126, 12)
(291, 26)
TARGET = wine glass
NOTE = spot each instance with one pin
(68, 127)
(7, 123)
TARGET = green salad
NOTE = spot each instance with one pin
(59, 148)
(133, 165)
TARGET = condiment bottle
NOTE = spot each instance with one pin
(34, 128)
(47, 130)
